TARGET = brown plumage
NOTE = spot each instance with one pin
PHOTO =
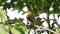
(31, 18)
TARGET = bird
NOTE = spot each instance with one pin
(30, 17)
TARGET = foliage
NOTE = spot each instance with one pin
(35, 6)
(58, 30)
(2, 15)
(3, 29)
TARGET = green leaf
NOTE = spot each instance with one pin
(58, 30)
(56, 9)
(38, 21)
(15, 31)
(21, 27)
(2, 15)
(18, 28)
(3, 29)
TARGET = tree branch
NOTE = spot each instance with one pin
(43, 28)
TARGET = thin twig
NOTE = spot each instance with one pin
(43, 28)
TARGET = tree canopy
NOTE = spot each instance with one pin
(36, 7)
